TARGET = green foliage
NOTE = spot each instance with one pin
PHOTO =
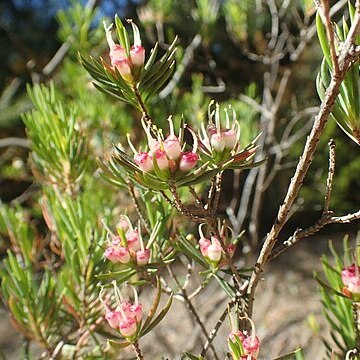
(58, 145)
(346, 111)
(337, 307)
(77, 27)
(148, 82)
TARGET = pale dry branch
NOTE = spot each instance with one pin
(346, 56)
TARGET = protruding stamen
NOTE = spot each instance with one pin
(200, 230)
(210, 112)
(106, 227)
(136, 297)
(132, 147)
(171, 126)
(109, 38)
(217, 118)
(136, 32)
(195, 144)
(101, 296)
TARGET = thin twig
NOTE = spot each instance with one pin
(187, 58)
(329, 180)
(143, 108)
(217, 326)
(300, 234)
(14, 141)
(138, 208)
(136, 348)
(192, 309)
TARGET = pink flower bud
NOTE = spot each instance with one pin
(137, 54)
(117, 254)
(144, 161)
(251, 345)
(188, 161)
(354, 285)
(113, 318)
(217, 142)
(128, 327)
(135, 312)
(117, 53)
(133, 239)
(348, 273)
(204, 245)
(123, 65)
(161, 159)
(214, 250)
(230, 137)
(123, 255)
(142, 257)
(123, 224)
(351, 279)
(172, 147)
(110, 254)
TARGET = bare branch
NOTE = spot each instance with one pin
(330, 34)
(14, 141)
(329, 180)
(345, 58)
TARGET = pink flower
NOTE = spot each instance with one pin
(351, 279)
(214, 250)
(348, 273)
(123, 223)
(172, 147)
(133, 311)
(137, 55)
(136, 312)
(110, 254)
(117, 53)
(116, 240)
(230, 137)
(124, 67)
(252, 345)
(128, 327)
(161, 159)
(188, 161)
(142, 257)
(239, 334)
(133, 240)
(117, 254)
(217, 142)
(204, 245)
(113, 318)
(144, 161)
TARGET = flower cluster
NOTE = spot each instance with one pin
(128, 62)
(212, 250)
(165, 156)
(351, 279)
(126, 316)
(217, 142)
(243, 346)
(128, 246)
